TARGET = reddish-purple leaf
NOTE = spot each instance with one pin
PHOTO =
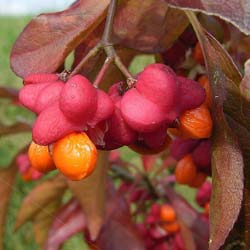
(91, 194)
(43, 220)
(227, 160)
(190, 218)
(49, 38)
(39, 197)
(241, 229)
(67, 222)
(187, 236)
(118, 232)
(234, 11)
(152, 25)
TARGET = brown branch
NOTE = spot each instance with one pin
(93, 52)
(102, 72)
(14, 129)
(107, 45)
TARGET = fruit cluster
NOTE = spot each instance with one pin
(161, 228)
(74, 156)
(191, 145)
(61, 107)
(138, 117)
(27, 172)
(194, 160)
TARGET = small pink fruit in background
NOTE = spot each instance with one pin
(192, 95)
(203, 195)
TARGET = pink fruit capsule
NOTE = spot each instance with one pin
(51, 125)
(203, 194)
(29, 93)
(158, 83)
(202, 154)
(119, 133)
(192, 95)
(105, 108)
(40, 78)
(48, 96)
(155, 139)
(181, 147)
(78, 100)
(141, 114)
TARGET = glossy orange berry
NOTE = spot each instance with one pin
(207, 209)
(167, 213)
(27, 176)
(185, 171)
(199, 179)
(204, 82)
(196, 123)
(75, 156)
(40, 158)
(197, 54)
(171, 227)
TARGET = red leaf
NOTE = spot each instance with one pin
(49, 38)
(234, 11)
(227, 160)
(152, 26)
(91, 194)
(67, 222)
(118, 232)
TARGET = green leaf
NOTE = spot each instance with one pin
(91, 194)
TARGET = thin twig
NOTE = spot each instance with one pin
(102, 72)
(107, 45)
(108, 31)
(93, 52)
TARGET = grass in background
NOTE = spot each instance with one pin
(10, 27)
